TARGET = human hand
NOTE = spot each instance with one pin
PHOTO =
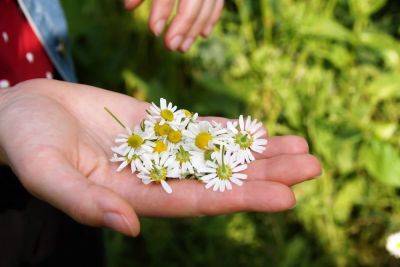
(57, 138)
(194, 18)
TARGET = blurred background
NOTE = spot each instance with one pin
(328, 70)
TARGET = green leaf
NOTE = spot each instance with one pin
(351, 194)
(382, 162)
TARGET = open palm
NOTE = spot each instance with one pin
(57, 138)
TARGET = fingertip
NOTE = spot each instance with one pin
(207, 31)
(315, 167)
(131, 4)
(299, 145)
(157, 27)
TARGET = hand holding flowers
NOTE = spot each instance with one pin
(57, 139)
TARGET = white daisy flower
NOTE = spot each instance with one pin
(246, 138)
(135, 162)
(166, 113)
(393, 244)
(224, 170)
(136, 142)
(204, 136)
(157, 168)
(184, 159)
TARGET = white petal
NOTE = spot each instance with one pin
(236, 181)
(122, 166)
(228, 185)
(217, 184)
(241, 122)
(240, 168)
(239, 176)
(166, 187)
(211, 183)
(207, 177)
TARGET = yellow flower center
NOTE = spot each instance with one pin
(162, 130)
(135, 141)
(167, 115)
(160, 146)
(182, 155)
(224, 172)
(243, 140)
(174, 136)
(158, 174)
(202, 140)
(187, 113)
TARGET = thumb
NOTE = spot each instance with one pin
(131, 4)
(50, 177)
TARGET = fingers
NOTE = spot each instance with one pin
(190, 198)
(213, 19)
(201, 20)
(286, 169)
(160, 12)
(188, 11)
(279, 145)
(131, 4)
(63, 187)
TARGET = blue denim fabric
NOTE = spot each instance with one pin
(47, 19)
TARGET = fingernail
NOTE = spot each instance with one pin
(176, 41)
(159, 27)
(118, 222)
(208, 30)
(186, 44)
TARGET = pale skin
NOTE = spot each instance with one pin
(56, 137)
(193, 18)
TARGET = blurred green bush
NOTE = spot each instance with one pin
(324, 69)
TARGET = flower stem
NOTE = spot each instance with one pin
(114, 117)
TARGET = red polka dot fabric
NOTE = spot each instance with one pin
(22, 56)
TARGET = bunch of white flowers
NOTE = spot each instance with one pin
(172, 143)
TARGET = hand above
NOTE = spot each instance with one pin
(193, 18)
(57, 138)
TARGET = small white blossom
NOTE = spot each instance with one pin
(157, 168)
(393, 244)
(246, 137)
(166, 113)
(225, 169)
(136, 142)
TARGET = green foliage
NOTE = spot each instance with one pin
(326, 70)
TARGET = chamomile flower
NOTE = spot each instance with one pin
(246, 138)
(219, 174)
(393, 244)
(135, 162)
(136, 142)
(184, 165)
(157, 168)
(204, 136)
(166, 113)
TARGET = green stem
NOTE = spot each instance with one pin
(114, 117)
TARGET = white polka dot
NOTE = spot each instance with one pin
(4, 84)
(49, 75)
(29, 56)
(5, 37)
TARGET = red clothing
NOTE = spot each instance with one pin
(22, 56)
